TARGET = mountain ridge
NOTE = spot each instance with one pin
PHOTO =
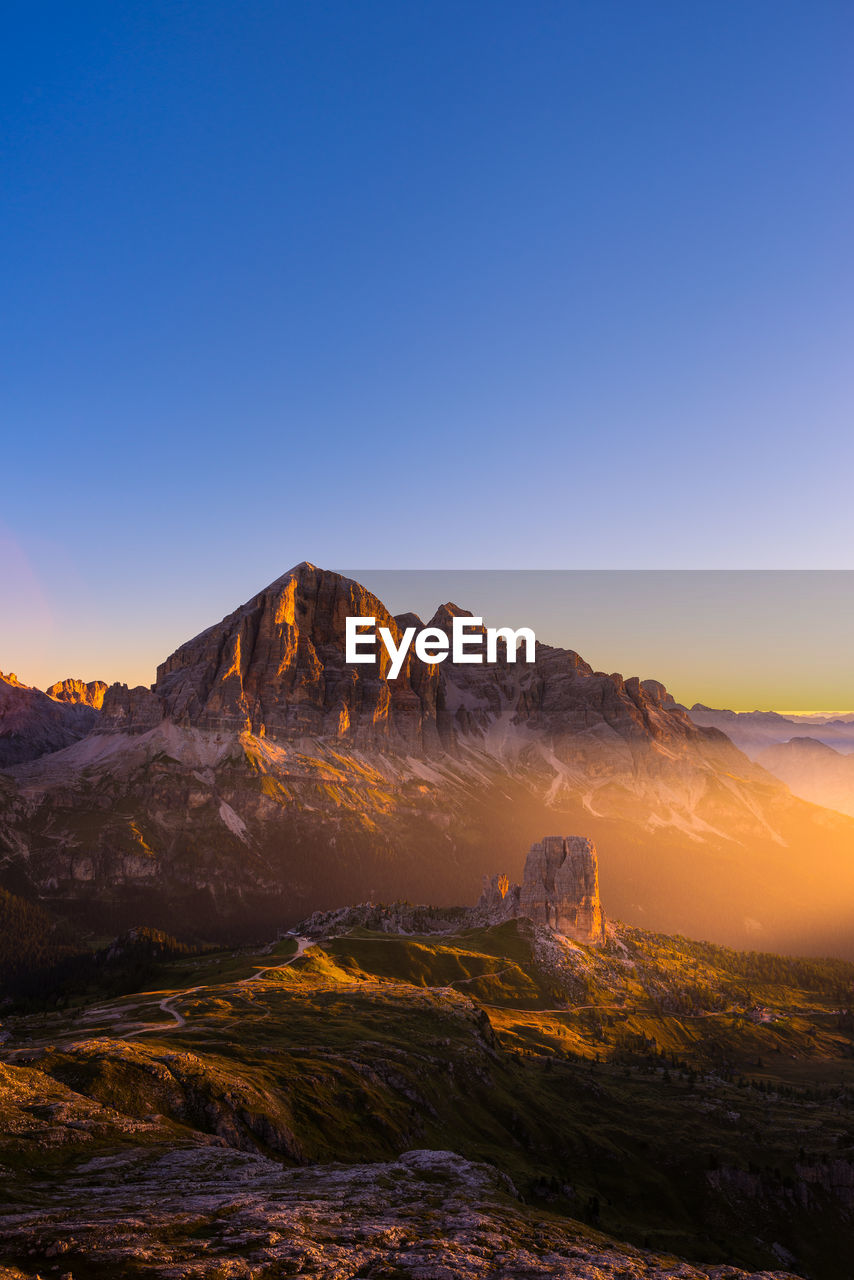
(263, 777)
(34, 722)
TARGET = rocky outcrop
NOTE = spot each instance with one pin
(33, 723)
(89, 694)
(657, 693)
(499, 900)
(132, 710)
(236, 1213)
(561, 888)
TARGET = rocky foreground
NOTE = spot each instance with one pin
(392, 1094)
(203, 1213)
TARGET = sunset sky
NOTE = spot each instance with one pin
(562, 285)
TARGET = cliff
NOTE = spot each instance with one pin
(79, 692)
(560, 889)
(276, 668)
(34, 723)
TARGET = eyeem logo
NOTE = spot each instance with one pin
(433, 645)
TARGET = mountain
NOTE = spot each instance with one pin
(753, 731)
(262, 777)
(78, 691)
(813, 770)
(33, 723)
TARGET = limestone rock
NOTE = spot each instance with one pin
(33, 723)
(499, 900)
(135, 710)
(78, 692)
(657, 693)
(561, 888)
(276, 668)
(208, 1209)
(347, 785)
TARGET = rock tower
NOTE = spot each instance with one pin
(560, 889)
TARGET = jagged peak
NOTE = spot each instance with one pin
(405, 620)
(89, 692)
(303, 573)
(445, 614)
(301, 570)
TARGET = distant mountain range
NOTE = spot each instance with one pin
(814, 756)
(262, 777)
(813, 770)
(753, 731)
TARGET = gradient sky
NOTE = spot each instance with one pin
(745, 640)
(485, 284)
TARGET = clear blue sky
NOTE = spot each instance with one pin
(413, 284)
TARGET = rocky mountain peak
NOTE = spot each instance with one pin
(657, 693)
(265, 771)
(445, 614)
(34, 723)
(276, 667)
(405, 620)
(90, 693)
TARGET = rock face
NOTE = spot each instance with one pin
(446, 1218)
(275, 668)
(561, 888)
(33, 723)
(134, 710)
(499, 900)
(264, 777)
(78, 691)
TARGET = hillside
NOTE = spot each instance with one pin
(691, 1100)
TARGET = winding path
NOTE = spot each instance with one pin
(167, 1004)
(303, 945)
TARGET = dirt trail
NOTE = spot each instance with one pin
(303, 945)
(167, 1004)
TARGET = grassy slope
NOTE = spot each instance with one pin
(653, 1106)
